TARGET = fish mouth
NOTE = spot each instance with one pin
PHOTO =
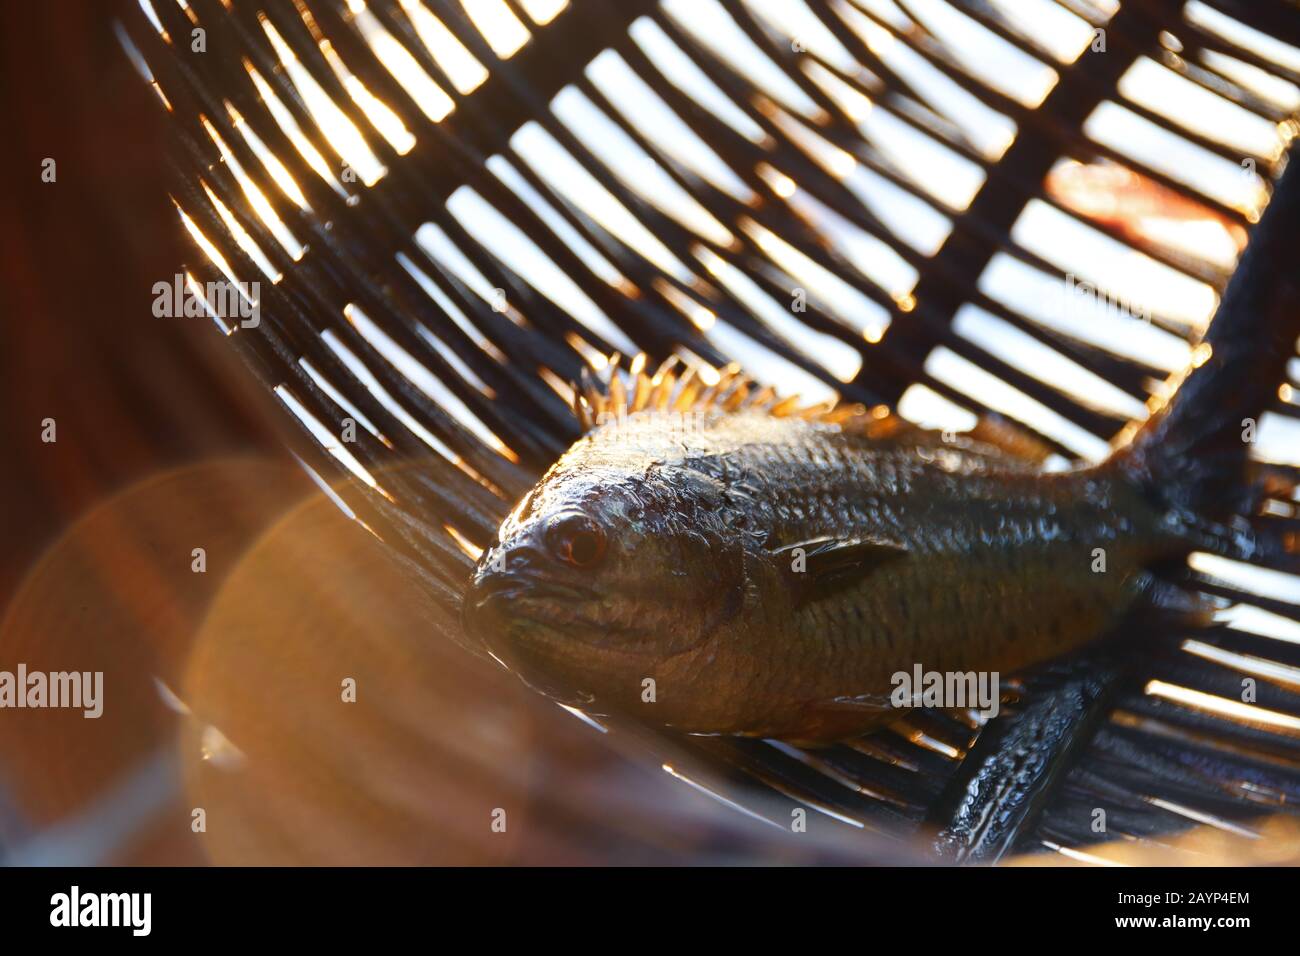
(500, 614)
(499, 611)
(493, 603)
(526, 613)
(511, 592)
(537, 631)
(500, 607)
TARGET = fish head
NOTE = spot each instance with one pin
(603, 575)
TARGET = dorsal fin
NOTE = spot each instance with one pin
(680, 385)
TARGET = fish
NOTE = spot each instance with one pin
(717, 559)
(768, 572)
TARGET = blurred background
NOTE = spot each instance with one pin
(134, 397)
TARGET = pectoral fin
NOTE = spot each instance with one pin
(819, 567)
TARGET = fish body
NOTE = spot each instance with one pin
(715, 559)
(768, 574)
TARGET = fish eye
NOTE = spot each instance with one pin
(575, 539)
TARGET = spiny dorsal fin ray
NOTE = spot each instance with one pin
(681, 386)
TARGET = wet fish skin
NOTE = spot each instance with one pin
(987, 564)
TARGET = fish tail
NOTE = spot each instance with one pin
(1193, 456)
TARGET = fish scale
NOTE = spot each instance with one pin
(975, 560)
